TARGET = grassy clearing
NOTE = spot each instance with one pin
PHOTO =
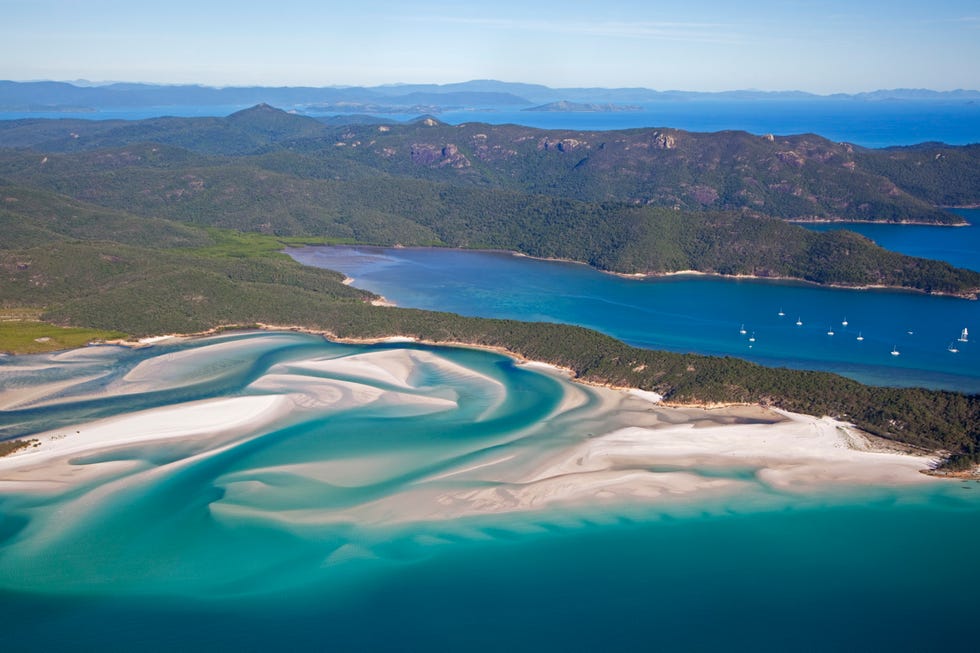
(26, 336)
(233, 244)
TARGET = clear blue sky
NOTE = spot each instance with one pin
(822, 46)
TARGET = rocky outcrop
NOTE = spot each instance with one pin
(449, 155)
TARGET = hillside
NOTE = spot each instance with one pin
(82, 265)
(285, 193)
(803, 177)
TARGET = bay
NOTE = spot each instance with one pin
(959, 246)
(868, 124)
(865, 123)
(697, 314)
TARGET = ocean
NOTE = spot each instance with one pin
(868, 124)
(243, 523)
(348, 523)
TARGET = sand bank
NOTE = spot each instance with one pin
(598, 446)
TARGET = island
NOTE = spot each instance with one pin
(567, 106)
(177, 225)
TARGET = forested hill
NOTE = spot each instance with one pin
(302, 179)
(803, 177)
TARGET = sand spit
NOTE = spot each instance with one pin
(598, 446)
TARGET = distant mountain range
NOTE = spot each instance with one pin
(35, 96)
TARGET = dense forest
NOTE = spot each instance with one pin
(176, 225)
(74, 264)
(266, 171)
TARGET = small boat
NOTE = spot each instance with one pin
(780, 313)
(799, 322)
(860, 337)
(910, 332)
(830, 331)
(964, 336)
(895, 351)
(741, 329)
(752, 337)
(844, 323)
(952, 348)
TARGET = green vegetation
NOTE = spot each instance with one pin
(148, 239)
(239, 194)
(34, 336)
(939, 174)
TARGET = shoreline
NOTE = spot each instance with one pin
(639, 276)
(518, 359)
(638, 450)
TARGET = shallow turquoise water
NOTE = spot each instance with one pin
(206, 544)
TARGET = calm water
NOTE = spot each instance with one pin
(870, 124)
(232, 542)
(959, 246)
(223, 541)
(694, 314)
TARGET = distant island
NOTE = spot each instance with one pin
(565, 105)
(475, 94)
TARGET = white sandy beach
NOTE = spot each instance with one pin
(635, 450)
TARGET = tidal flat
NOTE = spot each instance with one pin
(294, 489)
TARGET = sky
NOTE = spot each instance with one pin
(820, 46)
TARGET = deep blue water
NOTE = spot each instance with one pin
(696, 314)
(159, 563)
(869, 124)
(958, 246)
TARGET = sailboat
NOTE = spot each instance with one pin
(741, 329)
(799, 322)
(780, 313)
(844, 323)
(752, 337)
(964, 336)
(860, 337)
(830, 331)
(894, 351)
(952, 348)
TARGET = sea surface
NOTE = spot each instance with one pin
(704, 314)
(289, 535)
(869, 124)
(222, 542)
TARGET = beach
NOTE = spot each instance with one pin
(602, 446)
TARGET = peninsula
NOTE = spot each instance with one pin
(175, 226)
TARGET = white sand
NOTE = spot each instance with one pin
(643, 452)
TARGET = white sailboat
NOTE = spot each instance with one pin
(799, 322)
(741, 329)
(964, 336)
(752, 337)
(830, 331)
(780, 313)
(952, 348)
(844, 323)
(860, 337)
(894, 351)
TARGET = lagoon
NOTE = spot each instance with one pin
(260, 491)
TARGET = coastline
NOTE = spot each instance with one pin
(970, 295)
(792, 453)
